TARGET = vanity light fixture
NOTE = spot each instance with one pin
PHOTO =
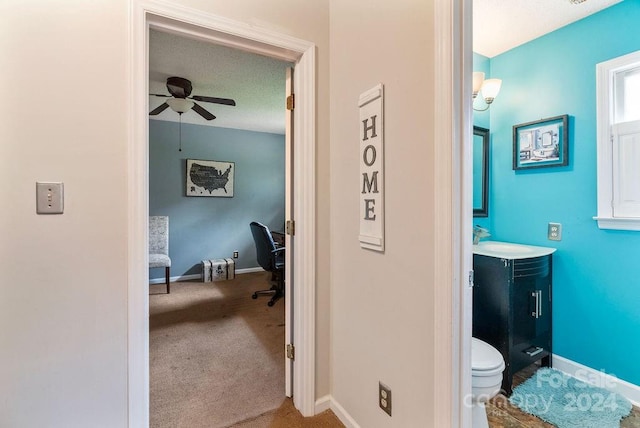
(489, 89)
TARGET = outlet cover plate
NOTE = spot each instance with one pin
(384, 397)
(554, 232)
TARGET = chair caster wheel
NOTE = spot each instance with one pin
(254, 296)
(270, 303)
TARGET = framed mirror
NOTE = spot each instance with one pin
(480, 172)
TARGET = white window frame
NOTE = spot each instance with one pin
(605, 75)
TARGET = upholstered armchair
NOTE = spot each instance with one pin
(159, 245)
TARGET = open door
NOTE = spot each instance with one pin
(289, 236)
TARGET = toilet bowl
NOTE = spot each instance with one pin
(487, 366)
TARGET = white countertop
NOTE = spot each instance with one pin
(508, 250)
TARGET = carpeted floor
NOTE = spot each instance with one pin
(216, 355)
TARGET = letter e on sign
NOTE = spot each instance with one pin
(371, 186)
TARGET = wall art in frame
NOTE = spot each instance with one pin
(542, 143)
(210, 178)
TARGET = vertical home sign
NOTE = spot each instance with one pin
(371, 186)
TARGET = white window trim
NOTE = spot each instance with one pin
(605, 72)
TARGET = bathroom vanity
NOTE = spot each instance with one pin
(512, 303)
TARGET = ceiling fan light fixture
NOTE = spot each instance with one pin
(180, 105)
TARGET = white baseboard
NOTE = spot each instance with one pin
(327, 402)
(322, 404)
(249, 270)
(598, 378)
(175, 278)
(198, 276)
(591, 376)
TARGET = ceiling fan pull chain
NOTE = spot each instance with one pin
(180, 131)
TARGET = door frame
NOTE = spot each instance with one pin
(145, 14)
(453, 213)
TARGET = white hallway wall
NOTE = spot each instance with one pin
(63, 292)
(382, 304)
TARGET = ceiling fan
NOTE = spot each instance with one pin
(180, 100)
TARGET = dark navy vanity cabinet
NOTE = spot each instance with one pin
(512, 309)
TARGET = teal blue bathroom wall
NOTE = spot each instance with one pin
(596, 294)
(213, 227)
(483, 120)
(483, 64)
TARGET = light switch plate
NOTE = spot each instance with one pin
(49, 198)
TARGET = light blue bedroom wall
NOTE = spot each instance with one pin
(596, 294)
(212, 227)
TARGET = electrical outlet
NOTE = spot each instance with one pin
(554, 232)
(235, 254)
(384, 397)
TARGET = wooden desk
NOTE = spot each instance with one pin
(278, 238)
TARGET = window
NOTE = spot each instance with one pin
(618, 116)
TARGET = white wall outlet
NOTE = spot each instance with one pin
(49, 198)
(554, 232)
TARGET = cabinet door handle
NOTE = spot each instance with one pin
(538, 303)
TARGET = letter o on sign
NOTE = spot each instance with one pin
(368, 149)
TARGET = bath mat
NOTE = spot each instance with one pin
(567, 402)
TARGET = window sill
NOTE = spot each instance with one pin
(618, 223)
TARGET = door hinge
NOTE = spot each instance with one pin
(291, 351)
(470, 278)
(291, 227)
(291, 102)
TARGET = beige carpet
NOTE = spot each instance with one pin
(216, 355)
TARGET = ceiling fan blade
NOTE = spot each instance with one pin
(225, 101)
(202, 112)
(160, 95)
(159, 109)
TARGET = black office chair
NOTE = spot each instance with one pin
(271, 259)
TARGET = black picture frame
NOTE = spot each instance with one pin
(542, 143)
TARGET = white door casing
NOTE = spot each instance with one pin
(453, 212)
(196, 24)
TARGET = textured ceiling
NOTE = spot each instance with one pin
(500, 25)
(255, 82)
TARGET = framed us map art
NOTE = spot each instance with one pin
(210, 178)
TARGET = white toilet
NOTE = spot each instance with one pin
(487, 366)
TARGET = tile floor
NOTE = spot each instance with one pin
(502, 414)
